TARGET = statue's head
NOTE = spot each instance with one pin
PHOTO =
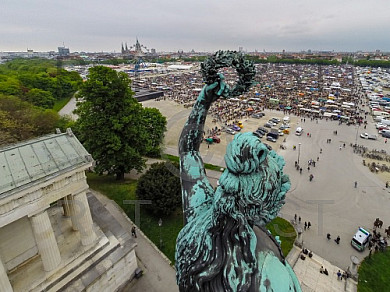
(253, 183)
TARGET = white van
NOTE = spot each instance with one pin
(298, 131)
(286, 120)
(361, 239)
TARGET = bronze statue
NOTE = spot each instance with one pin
(224, 245)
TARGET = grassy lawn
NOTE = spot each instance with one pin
(374, 273)
(285, 231)
(206, 165)
(59, 104)
(125, 190)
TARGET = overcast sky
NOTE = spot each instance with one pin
(202, 25)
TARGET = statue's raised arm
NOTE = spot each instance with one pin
(196, 189)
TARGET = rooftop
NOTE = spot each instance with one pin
(35, 160)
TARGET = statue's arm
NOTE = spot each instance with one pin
(196, 189)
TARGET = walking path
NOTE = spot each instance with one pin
(310, 278)
(158, 274)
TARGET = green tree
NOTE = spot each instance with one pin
(109, 123)
(154, 124)
(41, 98)
(20, 120)
(160, 185)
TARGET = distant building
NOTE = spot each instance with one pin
(62, 51)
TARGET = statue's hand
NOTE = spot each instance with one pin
(217, 89)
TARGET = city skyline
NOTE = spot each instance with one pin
(95, 26)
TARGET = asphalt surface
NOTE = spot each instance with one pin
(331, 202)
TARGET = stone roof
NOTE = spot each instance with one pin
(40, 159)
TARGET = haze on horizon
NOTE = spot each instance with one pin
(95, 26)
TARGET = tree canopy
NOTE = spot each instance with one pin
(162, 187)
(38, 81)
(113, 126)
(28, 90)
(19, 120)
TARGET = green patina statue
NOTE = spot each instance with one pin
(224, 245)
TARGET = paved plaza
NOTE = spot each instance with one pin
(330, 202)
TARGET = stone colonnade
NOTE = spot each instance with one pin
(74, 205)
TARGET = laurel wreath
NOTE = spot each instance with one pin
(245, 70)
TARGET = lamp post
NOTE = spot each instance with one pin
(160, 224)
(299, 151)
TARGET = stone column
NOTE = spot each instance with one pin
(81, 218)
(65, 206)
(46, 241)
(5, 285)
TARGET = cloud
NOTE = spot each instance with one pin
(201, 25)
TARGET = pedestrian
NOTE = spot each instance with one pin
(305, 226)
(318, 158)
(321, 269)
(337, 240)
(339, 275)
(295, 218)
(299, 219)
(133, 232)
(370, 249)
(340, 147)
(355, 184)
(314, 163)
(321, 151)
(387, 184)
(300, 170)
(328, 236)
(308, 168)
(308, 225)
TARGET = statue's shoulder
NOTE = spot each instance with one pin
(273, 270)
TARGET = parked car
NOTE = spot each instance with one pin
(258, 115)
(230, 131)
(385, 134)
(274, 135)
(262, 129)
(270, 138)
(236, 128)
(259, 134)
(268, 125)
(368, 136)
(378, 125)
